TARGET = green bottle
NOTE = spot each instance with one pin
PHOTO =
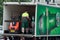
(42, 26)
(58, 19)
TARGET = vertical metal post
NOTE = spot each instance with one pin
(38, 0)
(47, 1)
(19, 1)
(47, 21)
(53, 1)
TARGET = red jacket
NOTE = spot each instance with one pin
(15, 27)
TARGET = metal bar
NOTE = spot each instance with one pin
(47, 19)
(41, 36)
(25, 35)
(28, 35)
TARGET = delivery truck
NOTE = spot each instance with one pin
(38, 18)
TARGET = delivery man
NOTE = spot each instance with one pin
(14, 28)
(25, 22)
